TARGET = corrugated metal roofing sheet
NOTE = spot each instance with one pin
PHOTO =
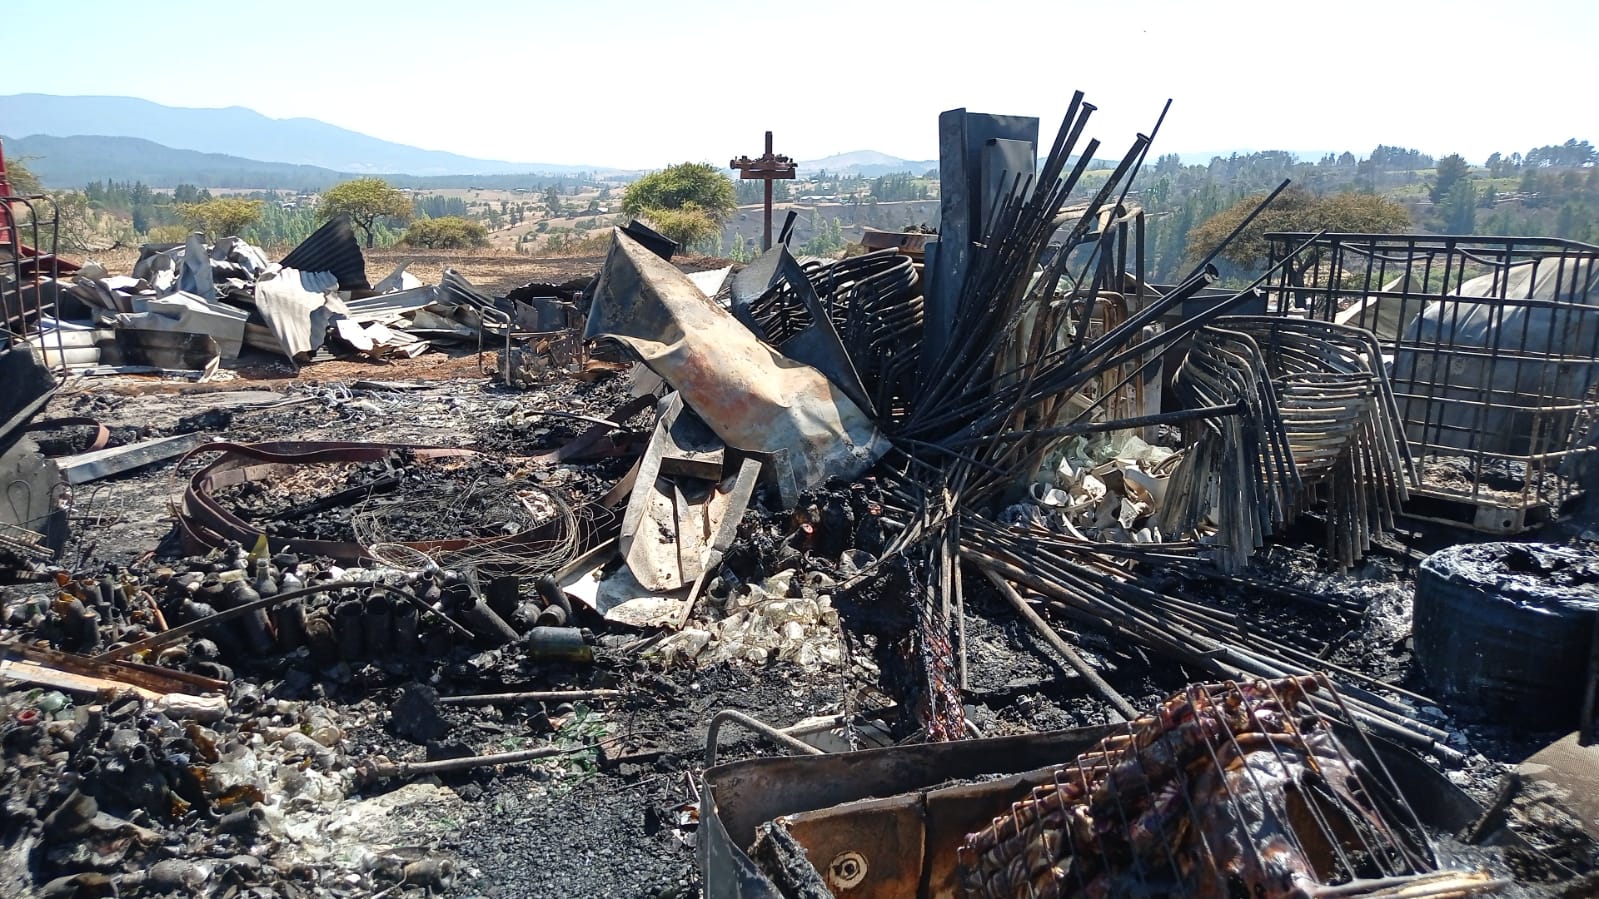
(333, 248)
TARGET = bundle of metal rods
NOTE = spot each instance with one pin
(1322, 426)
(1022, 370)
(874, 303)
(1010, 384)
(1091, 585)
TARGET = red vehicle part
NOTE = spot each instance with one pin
(28, 261)
(29, 257)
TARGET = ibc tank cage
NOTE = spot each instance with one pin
(1492, 348)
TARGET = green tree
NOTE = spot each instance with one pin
(1451, 169)
(23, 182)
(688, 225)
(84, 229)
(365, 201)
(828, 239)
(1458, 210)
(1531, 181)
(676, 187)
(450, 232)
(1295, 209)
(221, 217)
(751, 191)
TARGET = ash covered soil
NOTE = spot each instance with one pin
(615, 820)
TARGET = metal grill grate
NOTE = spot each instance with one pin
(1227, 790)
(23, 542)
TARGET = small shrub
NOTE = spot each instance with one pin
(448, 233)
(167, 234)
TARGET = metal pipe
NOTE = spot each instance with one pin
(484, 623)
(1138, 421)
(1585, 724)
(714, 729)
(530, 696)
(1066, 650)
(376, 769)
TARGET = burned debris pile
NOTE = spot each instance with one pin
(188, 309)
(133, 798)
(405, 495)
(883, 478)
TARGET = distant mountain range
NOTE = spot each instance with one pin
(71, 162)
(239, 132)
(70, 141)
(867, 164)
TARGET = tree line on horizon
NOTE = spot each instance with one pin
(1548, 191)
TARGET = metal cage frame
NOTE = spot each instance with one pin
(1494, 384)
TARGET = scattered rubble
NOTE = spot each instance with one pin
(947, 519)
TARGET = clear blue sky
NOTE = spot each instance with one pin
(642, 83)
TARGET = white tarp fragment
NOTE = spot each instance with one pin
(1504, 361)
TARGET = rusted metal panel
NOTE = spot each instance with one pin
(739, 796)
(752, 396)
(871, 849)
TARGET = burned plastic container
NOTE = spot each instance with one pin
(1506, 630)
(558, 644)
(379, 624)
(404, 630)
(288, 620)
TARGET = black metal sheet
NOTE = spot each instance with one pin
(332, 248)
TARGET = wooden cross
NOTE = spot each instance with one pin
(768, 168)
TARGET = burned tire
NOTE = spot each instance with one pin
(1504, 630)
